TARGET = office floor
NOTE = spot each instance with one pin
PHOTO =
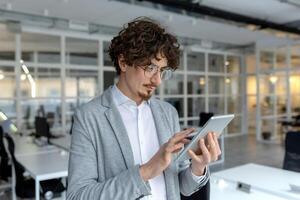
(238, 150)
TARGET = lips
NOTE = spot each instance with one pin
(150, 87)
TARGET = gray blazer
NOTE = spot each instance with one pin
(101, 164)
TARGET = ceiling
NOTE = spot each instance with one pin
(278, 11)
(116, 13)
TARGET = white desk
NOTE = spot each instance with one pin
(24, 145)
(62, 142)
(222, 190)
(266, 179)
(26, 148)
(45, 166)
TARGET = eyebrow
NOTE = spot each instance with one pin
(162, 68)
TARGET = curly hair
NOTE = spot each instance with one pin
(142, 40)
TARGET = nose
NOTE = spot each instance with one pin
(156, 79)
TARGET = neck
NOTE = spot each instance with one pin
(122, 86)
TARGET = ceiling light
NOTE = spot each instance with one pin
(273, 79)
(23, 77)
(2, 76)
(2, 116)
(201, 81)
(25, 69)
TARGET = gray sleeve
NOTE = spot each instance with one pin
(186, 181)
(83, 180)
(188, 185)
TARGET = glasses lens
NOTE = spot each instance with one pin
(166, 74)
(150, 70)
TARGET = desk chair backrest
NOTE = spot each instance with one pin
(204, 117)
(292, 151)
(5, 169)
(41, 127)
(19, 169)
(297, 119)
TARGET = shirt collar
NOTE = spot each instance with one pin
(120, 98)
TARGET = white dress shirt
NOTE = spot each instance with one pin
(142, 134)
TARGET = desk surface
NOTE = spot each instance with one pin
(268, 179)
(24, 145)
(47, 165)
(221, 190)
(62, 142)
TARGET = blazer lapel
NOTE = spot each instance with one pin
(115, 120)
(163, 132)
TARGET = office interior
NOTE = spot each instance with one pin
(237, 57)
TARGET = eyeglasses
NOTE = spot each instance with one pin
(152, 69)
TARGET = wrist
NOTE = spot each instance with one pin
(198, 170)
(145, 172)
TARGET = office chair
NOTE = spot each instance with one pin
(25, 187)
(202, 194)
(5, 168)
(292, 151)
(50, 118)
(72, 123)
(41, 127)
(204, 117)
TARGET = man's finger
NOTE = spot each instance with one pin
(217, 143)
(194, 156)
(205, 152)
(213, 148)
(181, 135)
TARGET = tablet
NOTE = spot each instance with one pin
(214, 124)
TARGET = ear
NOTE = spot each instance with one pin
(122, 63)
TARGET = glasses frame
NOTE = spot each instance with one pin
(165, 72)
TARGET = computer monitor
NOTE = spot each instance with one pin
(7, 125)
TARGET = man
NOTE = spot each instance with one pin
(123, 141)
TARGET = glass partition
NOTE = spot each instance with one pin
(109, 78)
(216, 105)
(7, 82)
(40, 48)
(174, 85)
(195, 61)
(81, 51)
(233, 64)
(7, 44)
(195, 106)
(177, 103)
(81, 83)
(106, 58)
(216, 63)
(216, 85)
(196, 84)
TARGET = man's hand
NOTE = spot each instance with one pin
(162, 159)
(205, 154)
